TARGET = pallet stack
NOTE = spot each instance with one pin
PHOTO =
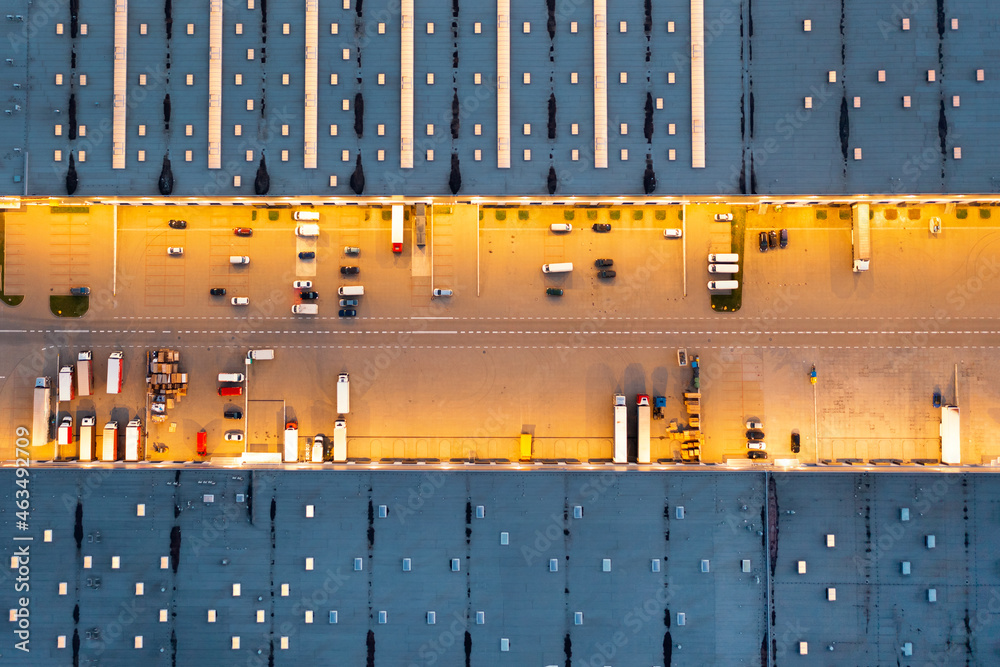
(164, 380)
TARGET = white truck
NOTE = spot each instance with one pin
(85, 373)
(64, 437)
(109, 443)
(132, 437)
(621, 430)
(397, 228)
(861, 238)
(291, 442)
(344, 394)
(42, 416)
(87, 439)
(115, 373)
(67, 391)
(642, 401)
(339, 454)
(951, 441)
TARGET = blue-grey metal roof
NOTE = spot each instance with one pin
(759, 52)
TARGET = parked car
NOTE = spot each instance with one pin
(756, 454)
(754, 424)
(234, 436)
(796, 446)
(348, 302)
(240, 301)
(783, 238)
(243, 231)
(178, 224)
(601, 227)
(308, 295)
(352, 250)
(232, 414)
(937, 399)
(604, 262)
(349, 270)
(79, 291)
(443, 292)
(554, 291)
(561, 227)
(217, 291)
(672, 233)
(302, 284)
(348, 312)
(175, 251)
(755, 434)
(756, 444)
(307, 255)
(762, 241)
(607, 273)
(772, 239)
(723, 217)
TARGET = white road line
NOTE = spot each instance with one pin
(13, 331)
(433, 332)
(431, 318)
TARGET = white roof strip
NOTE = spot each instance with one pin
(503, 84)
(698, 84)
(600, 84)
(406, 85)
(120, 85)
(215, 85)
(309, 112)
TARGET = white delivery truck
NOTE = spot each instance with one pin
(621, 430)
(259, 355)
(344, 394)
(109, 443)
(291, 442)
(723, 284)
(42, 416)
(132, 437)
(305, 309)
(115, 373)
(87, 439)
(351, 290)
(723, 268)
(85, 373)
(339, 441)
(67, 392)
(64, 437)
(861, 237)
(642, 401)
(724, 258)
(397, 228)
(560, 267)
(951, 441)
(317, 449)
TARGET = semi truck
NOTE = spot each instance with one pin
(67, 391)
(397, 228)
(621, 430)
(339, 454)
(109, 443)
(132, 436)
(42, 416)
(951, 441)
(85, 373)
(861, 238)
(64, 436)
(291, 442)
(87, 439)
(642, 401)
(115, 373)
(344, 394)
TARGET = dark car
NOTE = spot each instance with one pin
(604, 262)
(772, 239)
(607, 273)
(601, 227)
(217, 291)
(178, 224)
(756, 454)
(243, 231)
(755, 434)
(554, 291)
(307, 255)
(232, 414)
(309, 295)
(350, 270)
(783, 238)
(796, 446)
(347, 312)
(762, 241)
(79, 291)
(937, 399)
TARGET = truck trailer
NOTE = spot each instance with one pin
(397, 228)
(621, 430)
(85, 373)
(339, 453)
(64, 436)
(115, 373)
(861, 237)
(951, 441)
(109, 442)
(132, 438)
(42, 417)
(67, 390)
(642, 401)
(87, 439)
(291, 442)
(344, 394)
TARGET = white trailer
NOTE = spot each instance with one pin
(85, 373)
(67, 392)
(343, 394)
(87, 439)
(109, 443)
(339, 441)
(397, 228)
(642, 401)
(115, 373)
(861, 237)
(621, 430)
(291, 443)
(64, 436)
(132, 437)
(42, 416)
(951, 441)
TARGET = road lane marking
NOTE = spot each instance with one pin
(433, 332)
(431, 318)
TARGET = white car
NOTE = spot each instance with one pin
(753, 424)
(240, 301)
(234, 436)
(175, 251)
(443, 292)
(302, 284)
(723, 217)
(672, 233)
(561, 227)
(756, 444)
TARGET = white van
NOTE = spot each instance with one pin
(723, 284)
(561, 227)
(239, 259)
(351, 290)
(724, 258)
(231, 377)
(307, 230)
(305, 215)
(723, 268)
(562, 267)
(305, 309)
